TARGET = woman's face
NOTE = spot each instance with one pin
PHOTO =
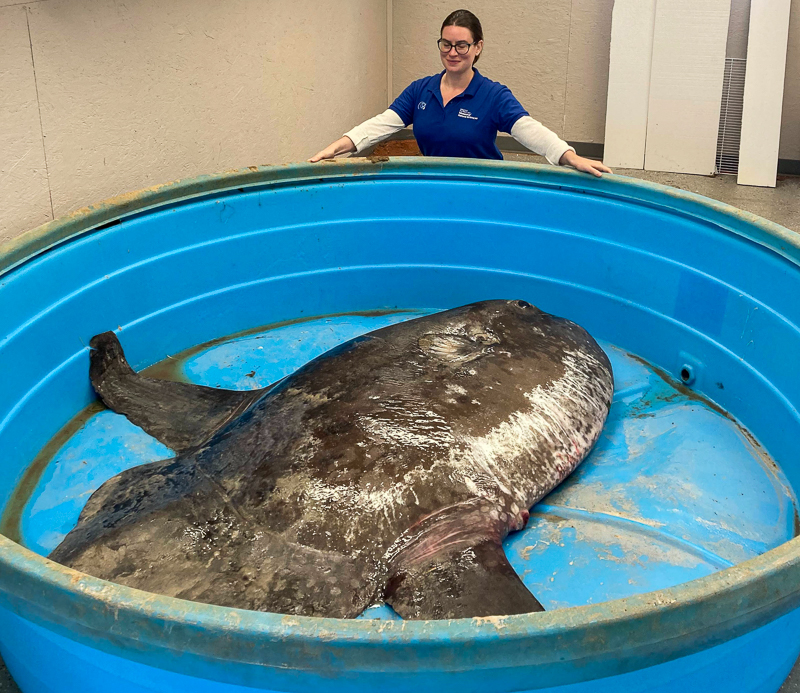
(454, 63)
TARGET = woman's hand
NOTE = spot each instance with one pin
(596, 168)
(343, 145)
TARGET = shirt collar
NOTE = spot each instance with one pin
(474, 84)
(435, 85)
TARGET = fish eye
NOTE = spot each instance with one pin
(523, 304)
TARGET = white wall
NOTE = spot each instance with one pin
(101, 97)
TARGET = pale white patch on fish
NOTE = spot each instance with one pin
(535, 449)
(420, 429)
(516, 463)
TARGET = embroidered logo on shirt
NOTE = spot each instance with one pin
(421, 105)
(464, 113)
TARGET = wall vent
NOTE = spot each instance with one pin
(730, 116)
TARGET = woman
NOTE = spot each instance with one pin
(459, 111)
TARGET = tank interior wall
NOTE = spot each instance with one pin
(102, 98)
(658, 282)
(554, 56)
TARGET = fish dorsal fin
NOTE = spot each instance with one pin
(452, 565)
(453, 348)
(180, 415)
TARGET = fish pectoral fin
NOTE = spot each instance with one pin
(455, 567)
(180, 415)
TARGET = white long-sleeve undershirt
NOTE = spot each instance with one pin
(375, 130)
(532, 134)
(528, 132)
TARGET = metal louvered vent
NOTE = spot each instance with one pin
(730, 116)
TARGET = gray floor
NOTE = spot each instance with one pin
(781, 204)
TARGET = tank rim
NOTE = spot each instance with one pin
(84, 220)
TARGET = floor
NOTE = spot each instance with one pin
(781, 205)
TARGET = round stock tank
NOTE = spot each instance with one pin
(666, 562)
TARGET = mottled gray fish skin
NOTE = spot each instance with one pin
(391, 467)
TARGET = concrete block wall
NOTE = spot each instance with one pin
(102, 97)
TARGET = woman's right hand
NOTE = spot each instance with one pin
(343, 145)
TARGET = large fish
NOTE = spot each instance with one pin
(391, 467)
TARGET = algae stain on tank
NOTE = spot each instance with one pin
(12, 513)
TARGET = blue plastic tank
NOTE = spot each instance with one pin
(666, 562)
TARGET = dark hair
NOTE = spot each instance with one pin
(465, 18)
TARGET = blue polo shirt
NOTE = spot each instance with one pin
(468, 125)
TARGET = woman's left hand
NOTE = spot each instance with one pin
(596, 168)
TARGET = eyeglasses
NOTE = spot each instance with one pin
(462, 47)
